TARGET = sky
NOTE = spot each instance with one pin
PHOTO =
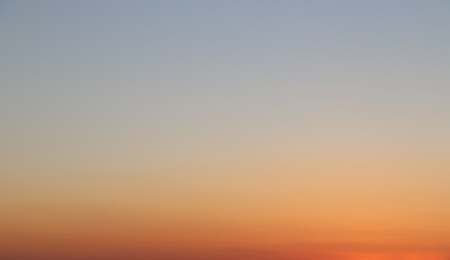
(177, 130)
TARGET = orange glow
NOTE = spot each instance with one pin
(396, 256)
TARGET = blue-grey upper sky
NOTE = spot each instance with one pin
(146, 74)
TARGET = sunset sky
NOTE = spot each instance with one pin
(225, 130)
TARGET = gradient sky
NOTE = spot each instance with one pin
(245, 129)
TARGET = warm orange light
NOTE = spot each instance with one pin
(369, 257)
(397, 256)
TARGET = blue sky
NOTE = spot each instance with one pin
(211, 70)
(167, 73)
